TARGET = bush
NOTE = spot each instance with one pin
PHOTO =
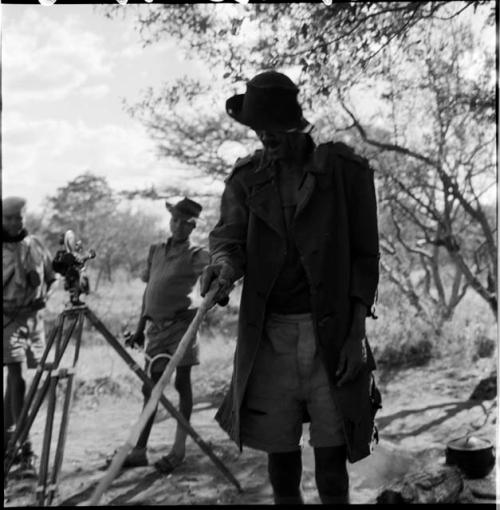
(400, 338)
(484, 347)
(412, 353)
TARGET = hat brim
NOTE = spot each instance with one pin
(174, 211)
(234, 107)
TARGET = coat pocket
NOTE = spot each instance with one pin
(360, 429)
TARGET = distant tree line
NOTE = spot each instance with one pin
(103, 221)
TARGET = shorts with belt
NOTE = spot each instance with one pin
(164, 336)
(288, 386)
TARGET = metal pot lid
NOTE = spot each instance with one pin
(469, 443)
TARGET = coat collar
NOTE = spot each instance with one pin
(264, 199)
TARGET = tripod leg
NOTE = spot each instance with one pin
(47, 438)
(78, 336)
(62, 438)
(61, 347)
(121, 351)
(39, 369)
(23, 430)
(28, 401)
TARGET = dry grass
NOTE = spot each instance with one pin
(400, 340)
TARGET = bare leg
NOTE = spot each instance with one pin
(146, 431)
(332, 478)
(285, 472)
(183, 387)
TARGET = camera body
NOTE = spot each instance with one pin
(69, 262)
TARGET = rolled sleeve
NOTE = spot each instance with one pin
(146, 271)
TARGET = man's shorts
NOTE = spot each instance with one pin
(287, 387)
(163, 337)
(23, 339)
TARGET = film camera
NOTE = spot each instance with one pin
(69, 262)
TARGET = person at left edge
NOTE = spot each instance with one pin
(27, 277)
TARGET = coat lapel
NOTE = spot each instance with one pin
(264, 200)
(311, 171)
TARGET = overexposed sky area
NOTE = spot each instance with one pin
(65, 71)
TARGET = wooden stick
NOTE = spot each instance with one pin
(156, 393)
(171, 409)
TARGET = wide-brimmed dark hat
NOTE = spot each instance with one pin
(270, 103)
(186, 207)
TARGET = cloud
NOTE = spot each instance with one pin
(49, 58)
(41, 155)
(63, 78)
(95, 91)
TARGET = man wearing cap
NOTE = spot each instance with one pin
(299, 223)
(172, 271)
(27, 276)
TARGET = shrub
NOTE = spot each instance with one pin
(484, 347)
(410, 353)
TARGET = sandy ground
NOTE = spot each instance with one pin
(422, 409)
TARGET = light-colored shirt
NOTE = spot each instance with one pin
(171, 273)
(20, 260)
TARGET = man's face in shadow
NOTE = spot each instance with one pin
(13, 223)
(282, 145)
(279, 145)
(181, 226)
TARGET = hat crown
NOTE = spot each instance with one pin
(186, 207)
(270, 103)
(273, 80)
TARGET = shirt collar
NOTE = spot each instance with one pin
(178, 244)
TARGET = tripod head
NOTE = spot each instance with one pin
(69, 261)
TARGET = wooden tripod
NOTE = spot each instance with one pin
(69, 325)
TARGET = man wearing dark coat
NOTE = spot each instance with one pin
(299, 223)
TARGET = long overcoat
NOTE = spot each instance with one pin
(335, 229)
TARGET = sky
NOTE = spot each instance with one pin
(65, 72)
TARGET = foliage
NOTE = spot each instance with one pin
(435, 172)
(485, 346)
(405, 354)
(184, 129)
(431, 140)
(88, 206)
